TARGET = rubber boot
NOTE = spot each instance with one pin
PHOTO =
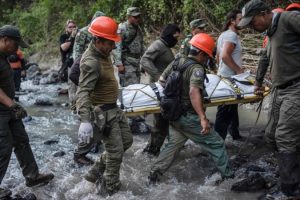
(95, 174)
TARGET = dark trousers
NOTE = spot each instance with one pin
(227, 119)
(158, 135)
(14, 136)
(17, 79)
(282, 133)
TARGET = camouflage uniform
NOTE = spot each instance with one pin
(185, 45)
(98, 90)
(129, 51)
(188, 127)
(154, 61)
(82, 40)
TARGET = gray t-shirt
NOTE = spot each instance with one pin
(229, 36)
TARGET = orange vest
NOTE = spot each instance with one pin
(265, 42)
(18, 64)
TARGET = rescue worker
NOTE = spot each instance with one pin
(82, 40)
(264, 60)
(194, 124)
(154, 61)
(66, 42)
(131, 48)
(12, 130)
(197, 26)
(229, 60)
(282, 131)
(97, 95)
(17, 63)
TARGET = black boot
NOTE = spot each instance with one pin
(154, 177)
(289, 169)
(40, 179)
(83, 160)
(4, 193)
(151, 150)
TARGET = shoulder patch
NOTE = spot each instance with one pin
(198, 73)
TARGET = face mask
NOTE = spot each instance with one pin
(170, 40)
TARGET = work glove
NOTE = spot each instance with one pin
(18, 112)
(85, 132)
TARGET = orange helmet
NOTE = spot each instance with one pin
(204, 42)
(279, 10)
(293, 6)
(105, 27)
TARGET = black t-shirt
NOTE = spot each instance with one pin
(65, 54)
(6, 80)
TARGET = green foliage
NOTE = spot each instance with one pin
(42, 21)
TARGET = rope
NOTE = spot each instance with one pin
(251, 130)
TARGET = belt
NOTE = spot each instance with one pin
(106, 107)
(289, 83)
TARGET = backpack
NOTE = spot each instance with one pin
(170, 104)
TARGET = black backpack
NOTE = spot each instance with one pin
(170, 104)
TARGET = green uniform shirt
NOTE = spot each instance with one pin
(284, 49)
(156, 58)
(194, 75)
(6, 80)
(97, 83)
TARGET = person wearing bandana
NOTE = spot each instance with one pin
(154, 61)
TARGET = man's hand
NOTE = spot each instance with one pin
(121, 69)
(85, 132)
(259, 89)
(205, 126)
(18, 111)
(240, 71)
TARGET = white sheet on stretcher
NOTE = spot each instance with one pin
(141, 95)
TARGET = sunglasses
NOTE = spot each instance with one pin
(71, 26)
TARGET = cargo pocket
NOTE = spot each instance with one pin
(291, 112)
(110, 116)
(99, 119)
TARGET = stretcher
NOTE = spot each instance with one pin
(142, 99)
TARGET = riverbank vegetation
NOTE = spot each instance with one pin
(42, 21)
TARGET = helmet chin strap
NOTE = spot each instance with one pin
(206, 65)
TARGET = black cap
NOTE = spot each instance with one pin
(251, 9)
(13, 32)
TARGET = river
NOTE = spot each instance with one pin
(186, 179)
